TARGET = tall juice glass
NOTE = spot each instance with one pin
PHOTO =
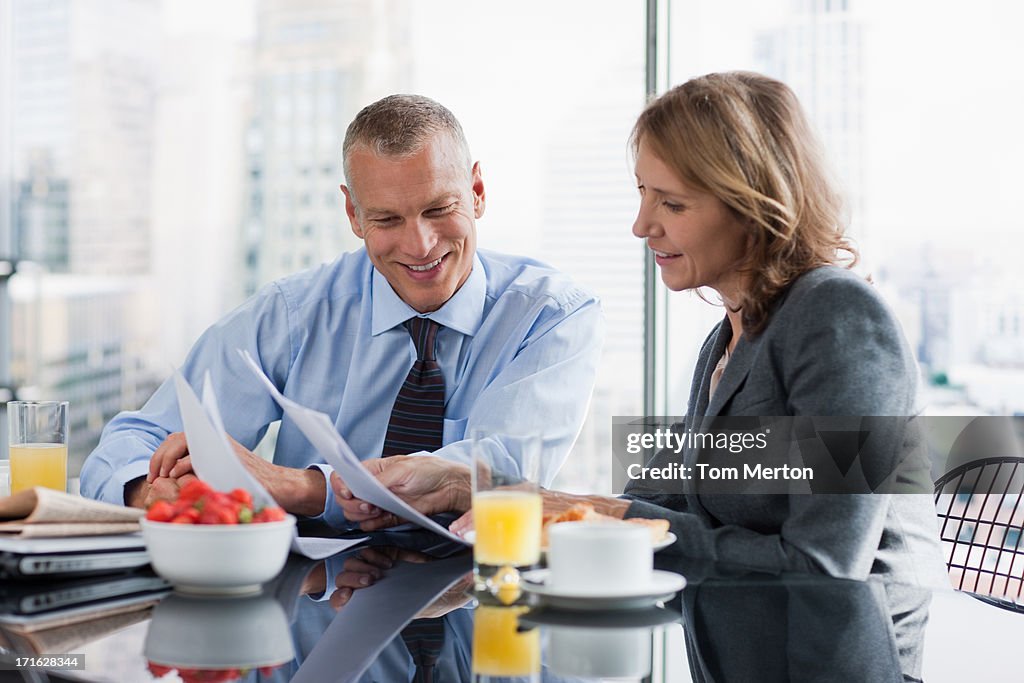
(500, 649)
(507, 509)
(38, 444)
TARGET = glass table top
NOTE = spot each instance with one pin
(727, 624)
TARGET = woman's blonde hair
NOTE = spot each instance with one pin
(744, 138)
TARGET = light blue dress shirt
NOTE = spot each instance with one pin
(519, 348)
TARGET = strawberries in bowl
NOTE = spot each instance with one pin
(198, 503)
(212, 542)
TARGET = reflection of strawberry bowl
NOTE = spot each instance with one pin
(217, 639)
(205, 675)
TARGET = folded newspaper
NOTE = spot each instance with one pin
(45, 513)
(69, 632)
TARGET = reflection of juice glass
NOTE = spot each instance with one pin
(507, 509)
(38, 444)
(499, 649)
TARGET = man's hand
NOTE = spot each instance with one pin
(430, 485)
(141, 493)
(299, 491)
(451, 600)
(166, 458)
(366, 567)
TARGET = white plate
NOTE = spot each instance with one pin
(669, 539)
(663, 586)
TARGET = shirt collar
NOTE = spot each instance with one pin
(463, 312)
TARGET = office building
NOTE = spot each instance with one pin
(79, 338)
(82, 122)
(316, 63)
(817, 51)
(589, 207)
(81, 111)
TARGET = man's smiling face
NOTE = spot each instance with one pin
(417, 215)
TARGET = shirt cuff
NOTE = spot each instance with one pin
(333, 566)
(332, 514)
(113, 490)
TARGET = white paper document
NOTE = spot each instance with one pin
(320, 431)
(215, 462)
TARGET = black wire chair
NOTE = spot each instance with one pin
(981, 522)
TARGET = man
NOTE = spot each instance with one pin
(515, 344)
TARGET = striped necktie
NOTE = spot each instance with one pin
(417, 418)
(424, 639)
(417, 424)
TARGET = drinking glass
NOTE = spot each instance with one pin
(39, 444)
(507, 510)
(500, 649)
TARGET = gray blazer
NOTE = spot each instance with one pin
(831, 347)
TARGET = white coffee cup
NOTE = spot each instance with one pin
(599, 559)
(600, 652)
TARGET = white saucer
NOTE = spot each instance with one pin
(663, 586)
(644, 617)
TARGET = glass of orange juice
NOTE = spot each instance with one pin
(39, 444)
(500, 649)
(507, 509)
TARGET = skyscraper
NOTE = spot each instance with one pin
(81, 107)
(589, 207)
(317, 62)
(84, 77)
(817, 51)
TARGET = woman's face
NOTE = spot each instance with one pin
(696, 239)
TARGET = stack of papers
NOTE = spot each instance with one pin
(318, 428)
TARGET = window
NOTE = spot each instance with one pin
(910, 133)
(547, 93)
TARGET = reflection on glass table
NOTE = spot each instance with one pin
(217, 638)
(318, 621)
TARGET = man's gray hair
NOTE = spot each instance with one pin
(399, 126)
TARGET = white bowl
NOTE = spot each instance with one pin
(203, 632)
(220, 559)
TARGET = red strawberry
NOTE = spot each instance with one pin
(194, 490)
(271, 514)
(242, 496)
(160, 511)
(215, 514)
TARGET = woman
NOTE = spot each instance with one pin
(735, 197)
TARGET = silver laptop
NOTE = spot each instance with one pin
(40, 558)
